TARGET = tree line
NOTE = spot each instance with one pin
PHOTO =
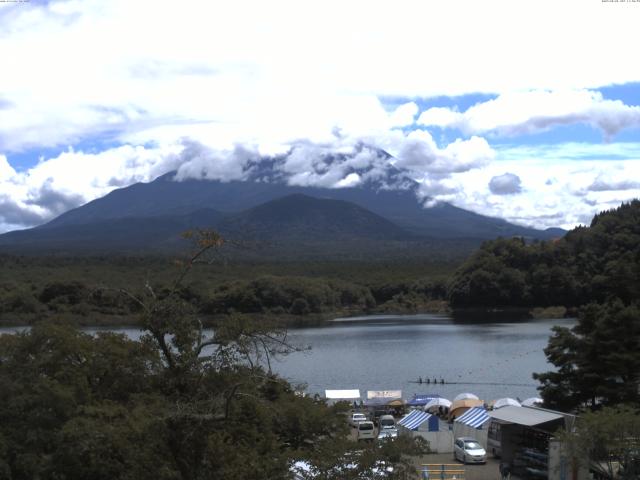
(597, 263)
(178, 403)
(268, 294)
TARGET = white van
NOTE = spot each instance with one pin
(386, 421)
(365, 431)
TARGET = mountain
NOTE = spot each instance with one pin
(380, 214)
(128, 234)
(301, 217)
(164, 196)
(279, 227)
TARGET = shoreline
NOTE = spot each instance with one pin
(287, 320)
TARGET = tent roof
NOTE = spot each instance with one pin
(467, 403)
(528, 416)
(530, 402)
(414, 419)
(342, 394)
(438, 402)
(474, 417)
(419, 400)
(465, 396)
(504, 402)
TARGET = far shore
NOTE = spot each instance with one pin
(435, 309)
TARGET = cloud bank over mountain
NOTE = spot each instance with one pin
(309, 94)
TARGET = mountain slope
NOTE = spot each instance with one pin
(301, 217)
(167, 197)
(294, 222)
(129, 234)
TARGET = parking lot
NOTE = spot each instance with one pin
(487, 471)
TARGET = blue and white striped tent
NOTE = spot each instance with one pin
(416, 418)
(474, 417)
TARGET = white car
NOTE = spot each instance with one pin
(468, 450)
(356, 418)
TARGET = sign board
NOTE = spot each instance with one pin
(371, 394)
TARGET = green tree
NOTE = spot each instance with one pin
(180, 403)
(597, 361)
(609, 439)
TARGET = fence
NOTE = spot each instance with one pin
(441, 471)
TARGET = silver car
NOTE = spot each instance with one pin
(388, 433)
(468, 450)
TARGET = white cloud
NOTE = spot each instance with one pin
(6, 171)
(404, 115)
(517, 113)
(120, 68)
(351, 180)
(505, 184)
(419, 154)
(555, 191)
(303, 80)
(74, 177)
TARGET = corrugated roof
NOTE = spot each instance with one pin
(528, 416)
(414, 419)
(474, 417)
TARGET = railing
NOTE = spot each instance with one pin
(441, 471)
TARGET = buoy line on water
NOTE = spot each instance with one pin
(478, 383)
(479, 370)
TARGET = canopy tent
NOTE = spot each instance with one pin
(342, 394)
(504, 402)
(458, 407)
(465, 396)
(421, 400)
(472, 424)
(475, 417)
(436, 403)
(530, 402)
(416, 419)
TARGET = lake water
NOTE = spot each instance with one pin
(491, 358)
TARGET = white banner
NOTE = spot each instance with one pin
(384, 394)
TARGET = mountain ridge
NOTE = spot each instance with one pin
(168, 197)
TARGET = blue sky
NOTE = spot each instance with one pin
(486, 111)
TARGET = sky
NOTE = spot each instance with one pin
(524, 110)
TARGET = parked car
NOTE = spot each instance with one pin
(375, 416)
(468, 450)
(356, 418)
(388, 433)
(386, 421)
(366, 431)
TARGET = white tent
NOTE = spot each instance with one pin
(530, 402)
(504, 402)
(465, 396)
(434, 403)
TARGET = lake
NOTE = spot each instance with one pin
(490, 357)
